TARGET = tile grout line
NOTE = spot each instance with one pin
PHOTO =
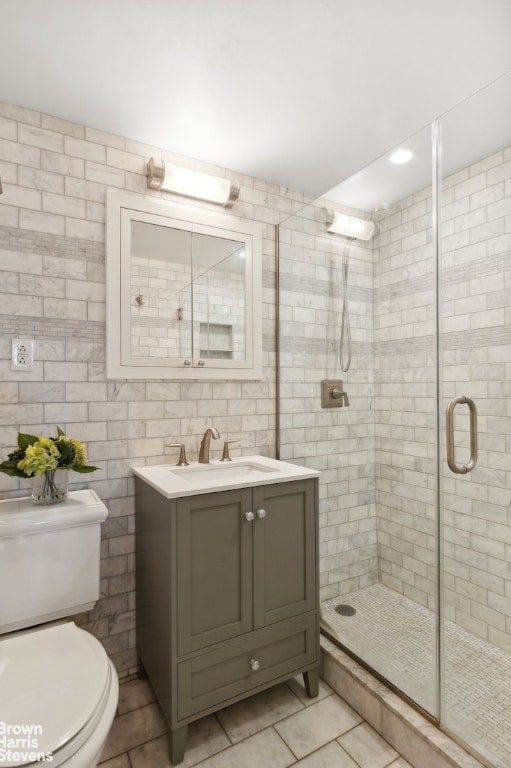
(262, 730)
(287, 747)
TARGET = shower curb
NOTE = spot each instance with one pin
(411, 734)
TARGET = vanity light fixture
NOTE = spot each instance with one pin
(400, 156)
(183, 181)
(349, 226)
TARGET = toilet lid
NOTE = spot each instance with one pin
(51, 682)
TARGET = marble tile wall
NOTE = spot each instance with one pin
(52, 289)
(405, 399)
(337, 441)
(475, 360)
(377, 455)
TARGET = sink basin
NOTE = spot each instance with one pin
(231, 471)
(242, 472)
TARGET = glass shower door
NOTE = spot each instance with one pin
(377, 453)
(475, 390)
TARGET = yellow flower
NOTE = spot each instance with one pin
(49, 446)
(39, 458)
(79, 449)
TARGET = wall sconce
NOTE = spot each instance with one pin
(183, 181)
(349, 226)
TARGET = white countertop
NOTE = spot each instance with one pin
(242, 472)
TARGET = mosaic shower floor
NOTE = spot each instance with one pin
(397, 638)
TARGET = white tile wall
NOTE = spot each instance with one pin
(383, 481)
(377, 456)
(476, 356)
(52, 288)
(475, 360)
(338, 441)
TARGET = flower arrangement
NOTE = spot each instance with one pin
(37, 456)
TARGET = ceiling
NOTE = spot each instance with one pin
(471, 131)
(303, 93)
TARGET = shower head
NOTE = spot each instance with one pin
(349, 226)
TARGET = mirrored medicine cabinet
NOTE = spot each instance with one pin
(183, 292)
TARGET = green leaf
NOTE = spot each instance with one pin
(65, 450)
(25, 440)
(65, 465)
(60, 433)
(84, 468)
(11, 468)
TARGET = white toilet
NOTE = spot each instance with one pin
(58, 688)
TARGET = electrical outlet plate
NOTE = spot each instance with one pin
(22, 355)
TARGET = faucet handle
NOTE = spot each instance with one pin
(225, 454)
(181, 462)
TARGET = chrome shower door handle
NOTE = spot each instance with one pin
(461, 469)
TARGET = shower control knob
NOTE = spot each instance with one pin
(336, 393)
(249, 516)
(261, 514)
(255, 665)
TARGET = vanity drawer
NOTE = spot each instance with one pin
(221, 674)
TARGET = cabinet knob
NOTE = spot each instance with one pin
(255, 665)
(201, 363)
(187, 362)
(261, 514)
(249, 516)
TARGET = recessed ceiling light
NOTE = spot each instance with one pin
(400, 156)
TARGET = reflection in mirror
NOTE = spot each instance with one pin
(187, 294)
(160, 297)
(219, 304)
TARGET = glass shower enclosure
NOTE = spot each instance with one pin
(415, 499)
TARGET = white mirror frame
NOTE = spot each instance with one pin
(122, 208)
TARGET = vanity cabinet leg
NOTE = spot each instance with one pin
(311, 682)
(177, 744)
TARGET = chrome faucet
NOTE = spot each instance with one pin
(211, 432)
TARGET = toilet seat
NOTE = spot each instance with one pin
(58, 678)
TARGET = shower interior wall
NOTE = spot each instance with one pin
(475, 331)
(378, 457)
(338, 441)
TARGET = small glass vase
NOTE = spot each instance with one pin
(50, 488)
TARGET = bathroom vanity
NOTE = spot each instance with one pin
(227, 583)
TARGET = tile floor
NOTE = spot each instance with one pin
(277, 728)
(401, 646)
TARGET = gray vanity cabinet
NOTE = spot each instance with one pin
(284, 551)
(226, 596)
(214, 568)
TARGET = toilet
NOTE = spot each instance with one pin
(58, 688)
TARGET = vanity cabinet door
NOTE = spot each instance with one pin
(284, 531)
(214, 568)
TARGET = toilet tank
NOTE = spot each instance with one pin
(49, 558)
